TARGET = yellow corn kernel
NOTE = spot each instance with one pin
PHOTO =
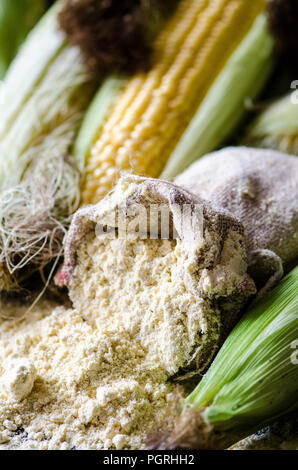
(154, 109)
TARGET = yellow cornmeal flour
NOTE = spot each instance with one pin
(91, 389)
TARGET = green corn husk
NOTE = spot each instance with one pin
(253, 380)
(242, 79)
(95, 116)
(30, 66)
(17, 17)
(276, 127)
(47, 90)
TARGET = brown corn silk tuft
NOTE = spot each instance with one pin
(112, 34)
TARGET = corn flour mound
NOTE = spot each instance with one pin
(65, 383)
(97, 376)
(178, 295)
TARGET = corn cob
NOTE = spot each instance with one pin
(46, 91)
(235, 85)
(276, 127)
(253, 380)
(155, 108)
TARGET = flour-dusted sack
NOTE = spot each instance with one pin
(179, 294)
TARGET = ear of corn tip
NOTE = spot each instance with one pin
(254, 378)
(150, 116)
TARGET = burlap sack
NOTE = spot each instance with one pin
(213, 261)
(260, 188)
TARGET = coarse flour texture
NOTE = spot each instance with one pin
(97, 376)
(93, 379)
